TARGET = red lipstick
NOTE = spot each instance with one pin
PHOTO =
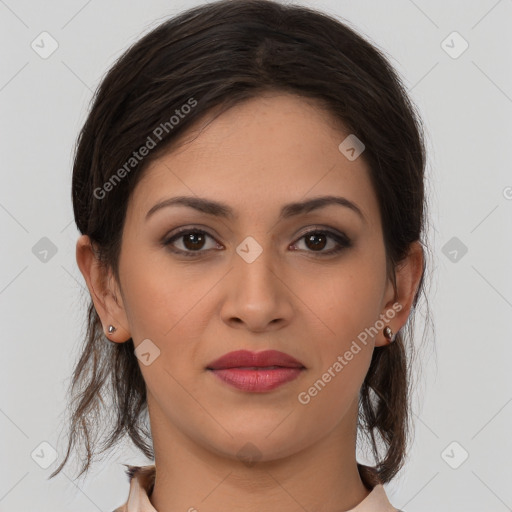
(256, 371)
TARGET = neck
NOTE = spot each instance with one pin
(323, 477)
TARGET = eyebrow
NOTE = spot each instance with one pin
(218, 209)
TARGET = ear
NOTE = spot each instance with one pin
(408, 274)
(104, 290)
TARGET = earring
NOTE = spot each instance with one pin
(388, 333)
(111, 329)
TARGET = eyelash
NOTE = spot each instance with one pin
(341, 239)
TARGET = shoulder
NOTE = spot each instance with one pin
(376, 501)
(142, 481)
(144, 474)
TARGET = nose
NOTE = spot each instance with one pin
(257, 295)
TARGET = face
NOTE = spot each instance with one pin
(308, 283)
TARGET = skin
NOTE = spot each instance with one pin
(255, 157)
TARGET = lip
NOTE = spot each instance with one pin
(248, 359)
(256, 371)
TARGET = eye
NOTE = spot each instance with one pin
(192, 241)
(316, 241)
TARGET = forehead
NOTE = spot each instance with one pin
(260, 154)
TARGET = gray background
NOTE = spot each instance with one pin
(465, 392)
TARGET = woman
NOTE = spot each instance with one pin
(249, 186)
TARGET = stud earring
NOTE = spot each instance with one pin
(111, 329)
(388, 333)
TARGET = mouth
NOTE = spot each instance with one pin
(267, 359)
(256, 371)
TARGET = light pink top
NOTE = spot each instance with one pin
(142, 479)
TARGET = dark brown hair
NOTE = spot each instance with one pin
(218, 55)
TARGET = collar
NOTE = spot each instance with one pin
(142, 480)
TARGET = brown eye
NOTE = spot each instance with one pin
(191, 241)
(317, 240)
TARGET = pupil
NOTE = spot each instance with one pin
(190, 243)
(311, 238)
(195, 240)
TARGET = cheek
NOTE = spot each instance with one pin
(349, 305)
(161, 298)
(332, 391)
(166, 304)
(348, 299)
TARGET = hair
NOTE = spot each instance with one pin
(214, 57)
